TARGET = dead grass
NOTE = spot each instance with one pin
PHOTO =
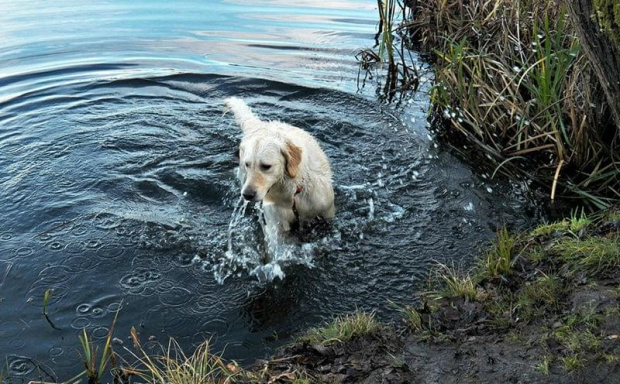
(174, 366)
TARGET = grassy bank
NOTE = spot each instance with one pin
(512, 83)
(546, 303)
(539, 307)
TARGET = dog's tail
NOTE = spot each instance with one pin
(243, 114)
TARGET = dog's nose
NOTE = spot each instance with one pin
(249, 194)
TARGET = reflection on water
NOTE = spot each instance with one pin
(117, 177)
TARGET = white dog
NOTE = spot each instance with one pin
(284, 167)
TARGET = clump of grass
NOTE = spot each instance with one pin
(511, 80)
(574, 225)
(95, 366)
(411, 315)
(594, 255)
(456, 284)
(572, 363)
(544, 366)
(540, 295)
(343, 328)
(174, 366)
(557, 228)
(499, 260)
(579, 222)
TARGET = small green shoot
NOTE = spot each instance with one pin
(46, 298)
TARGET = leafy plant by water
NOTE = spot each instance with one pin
(95, 365)
(343, 328)
(174, 366)
(511, 80)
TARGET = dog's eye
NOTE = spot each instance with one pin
(265, 167)
(247, 165)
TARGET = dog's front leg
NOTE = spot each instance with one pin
(278, 218)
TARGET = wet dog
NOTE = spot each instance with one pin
(284, 167)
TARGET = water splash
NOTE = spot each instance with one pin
(256, 249)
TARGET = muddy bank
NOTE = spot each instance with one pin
(541, 307)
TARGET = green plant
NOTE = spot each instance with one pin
(498, 261)
(174, 366)
(46, 298)
(411, 315)
(578, 223)
(572, 363)
(343, 328)
(512, 82)
(544, 366)
(95, 365)
(595, 255)
(457, 285)
(541, 295)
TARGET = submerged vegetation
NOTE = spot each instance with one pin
(511, 80)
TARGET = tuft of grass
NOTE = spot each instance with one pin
(572, 363)
(174, 366)
(544, 366)
(557, 228)
(578, 342)
(594, 255)
(457, 285)
(499, 260)
(579, 222)
(610, 358)
(343, 328)
(411, 316)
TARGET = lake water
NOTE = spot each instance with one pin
(117, 177)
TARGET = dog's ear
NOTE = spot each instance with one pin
(292, 157)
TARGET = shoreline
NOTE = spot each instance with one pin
(551, 314)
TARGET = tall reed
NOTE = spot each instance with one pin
(511, 80)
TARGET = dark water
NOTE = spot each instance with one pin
(117, 177)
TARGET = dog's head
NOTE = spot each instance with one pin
(265, 160)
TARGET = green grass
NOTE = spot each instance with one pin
(594, 255)
(539, 296)
(513, 83)
(455, 284)
(572, 363)
(46, 297)
(544, 366)
(557, 228)
(499, 260)
(412, 317)
(95, 366)
(343, 328)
